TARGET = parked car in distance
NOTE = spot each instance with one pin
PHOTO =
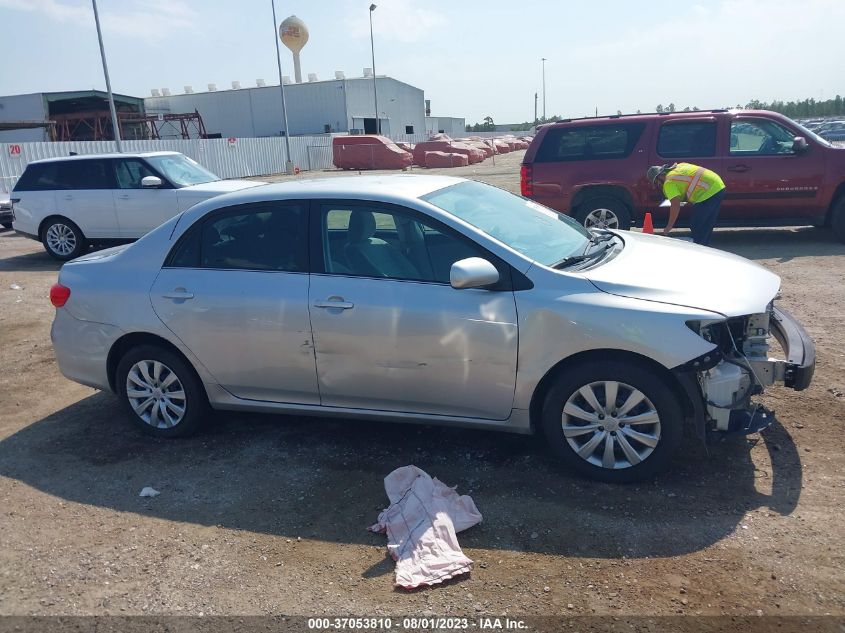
(429, 299)
(5, 211)
(776, 172)
(832, 131)
(69, 202)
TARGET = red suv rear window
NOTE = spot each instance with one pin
(589, 142)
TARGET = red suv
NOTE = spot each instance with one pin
(776, 171)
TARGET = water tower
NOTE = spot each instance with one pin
(294, 35)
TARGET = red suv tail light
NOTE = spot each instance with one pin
(59, 295)
(526, 180)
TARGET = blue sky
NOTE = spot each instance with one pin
(473, 58)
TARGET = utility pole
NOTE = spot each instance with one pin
(535, 109)
(373, 51)
(544, 88)
(277, 36)
(114, 123)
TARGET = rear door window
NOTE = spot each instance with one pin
(595, 142)
(266, 236)
(687, 139)
(85, 174)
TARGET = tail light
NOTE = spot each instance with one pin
(526, 180)
(59, 295)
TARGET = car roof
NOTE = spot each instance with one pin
(665, 116)
(390, 188)
(108, 155)
(387, 186)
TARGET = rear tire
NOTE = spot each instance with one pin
(7, 225)
(837, 219)
(62, 239)
(604, 213)
(161, 393)
(643, 423)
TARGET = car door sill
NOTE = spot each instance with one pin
(516, 422)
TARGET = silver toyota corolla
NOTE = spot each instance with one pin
(429, 299)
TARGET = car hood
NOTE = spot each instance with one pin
(217, 187)
(681, 273)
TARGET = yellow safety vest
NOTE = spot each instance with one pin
(691, 183)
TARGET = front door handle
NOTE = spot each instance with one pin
(739, 168)
(124, 196)
(68, 197)
(178, 293)
(334, 302)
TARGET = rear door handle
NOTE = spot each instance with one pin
(124, 196)
(334, 302)
(68, 197)
(178, 293)
(739, 168)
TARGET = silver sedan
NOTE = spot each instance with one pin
(434, 300)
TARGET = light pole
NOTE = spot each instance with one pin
(277, 36)
(544, 88)
(373, 51)
(115, 125)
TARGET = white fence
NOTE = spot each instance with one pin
(236, 159)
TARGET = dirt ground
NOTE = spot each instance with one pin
(267, 514)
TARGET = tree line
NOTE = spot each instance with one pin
(793, 109)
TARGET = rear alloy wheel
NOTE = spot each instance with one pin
(613, 421)
(62, 239)
(161, 394)
(604, 213)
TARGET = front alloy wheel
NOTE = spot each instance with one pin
(613, 420)
(611, 424)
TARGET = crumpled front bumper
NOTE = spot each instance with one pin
(798, 347)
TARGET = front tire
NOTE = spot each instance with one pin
(837, 219)
(604, 213)
(613, 421)
(62, 239)
(161, 393)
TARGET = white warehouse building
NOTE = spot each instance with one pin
(338, 105)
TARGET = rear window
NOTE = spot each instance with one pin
(687, 140)
(595, 142)
(41, 177)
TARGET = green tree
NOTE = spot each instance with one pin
(671, 107)
(659, 108)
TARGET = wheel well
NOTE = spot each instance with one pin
(603, 191)
(536, 406)
(128, 341)
(55, 216)
(838, 195)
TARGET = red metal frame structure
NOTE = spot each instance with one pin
(97, 126)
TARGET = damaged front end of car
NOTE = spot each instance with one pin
(739, 367)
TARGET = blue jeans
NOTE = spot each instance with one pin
(704, 216)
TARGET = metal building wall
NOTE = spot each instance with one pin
(258, 111)
(453, 126)
(401, 103)
(29, 107)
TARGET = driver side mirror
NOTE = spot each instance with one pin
(150, 182)
(472, 272)
(799, 144)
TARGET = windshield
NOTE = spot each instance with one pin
(810, 134)
(529, 228)
(181, 170)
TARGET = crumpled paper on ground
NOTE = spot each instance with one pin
(421, 525)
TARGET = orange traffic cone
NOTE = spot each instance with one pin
(648, 227)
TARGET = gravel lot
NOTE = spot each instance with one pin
(267, 514)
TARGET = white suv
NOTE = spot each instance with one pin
(67, 203)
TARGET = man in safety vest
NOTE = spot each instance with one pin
(685, 182)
